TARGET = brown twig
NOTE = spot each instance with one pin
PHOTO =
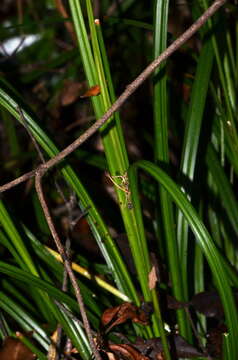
(65, 254)
(124, 96)
(38, 184)
(64, 288)
(53, 349)
(18, 180)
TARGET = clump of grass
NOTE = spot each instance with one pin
(194, 217)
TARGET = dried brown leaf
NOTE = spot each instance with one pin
(93, 91)
(152, 278)
(109, 314)
(111, 356)
(127, 351)
(52, 352)
(14, 349)
(160, 356)
(127, 311)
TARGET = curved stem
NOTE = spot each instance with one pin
(38, 184)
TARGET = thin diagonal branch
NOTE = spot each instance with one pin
(125, 95)
(18, 180)
(38, 184)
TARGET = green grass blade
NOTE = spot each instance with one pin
(75, 333)
(140, 251)
(199, 286)
(24, 319)
(204, 240)
(15, 243)
(113, 142)
(160, 82)
(26, 277)
(13, 289)
(110, 85)
(226, 80)
(223, 186)
(82, 38)
(190, 145)
(227, 351)
(57, 267)
(16, 239)
(27, 322)
(161, 152)
(4, 240)
(10, 100)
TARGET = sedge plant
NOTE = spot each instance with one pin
(194, 217)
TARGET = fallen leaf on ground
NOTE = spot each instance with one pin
(127, 351)
(14, 349)
(178, 345)
(127, 311)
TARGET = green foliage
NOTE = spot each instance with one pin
(190, 224)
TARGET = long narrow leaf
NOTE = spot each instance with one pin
(203, 238)
(190, 145)
(10, 101)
